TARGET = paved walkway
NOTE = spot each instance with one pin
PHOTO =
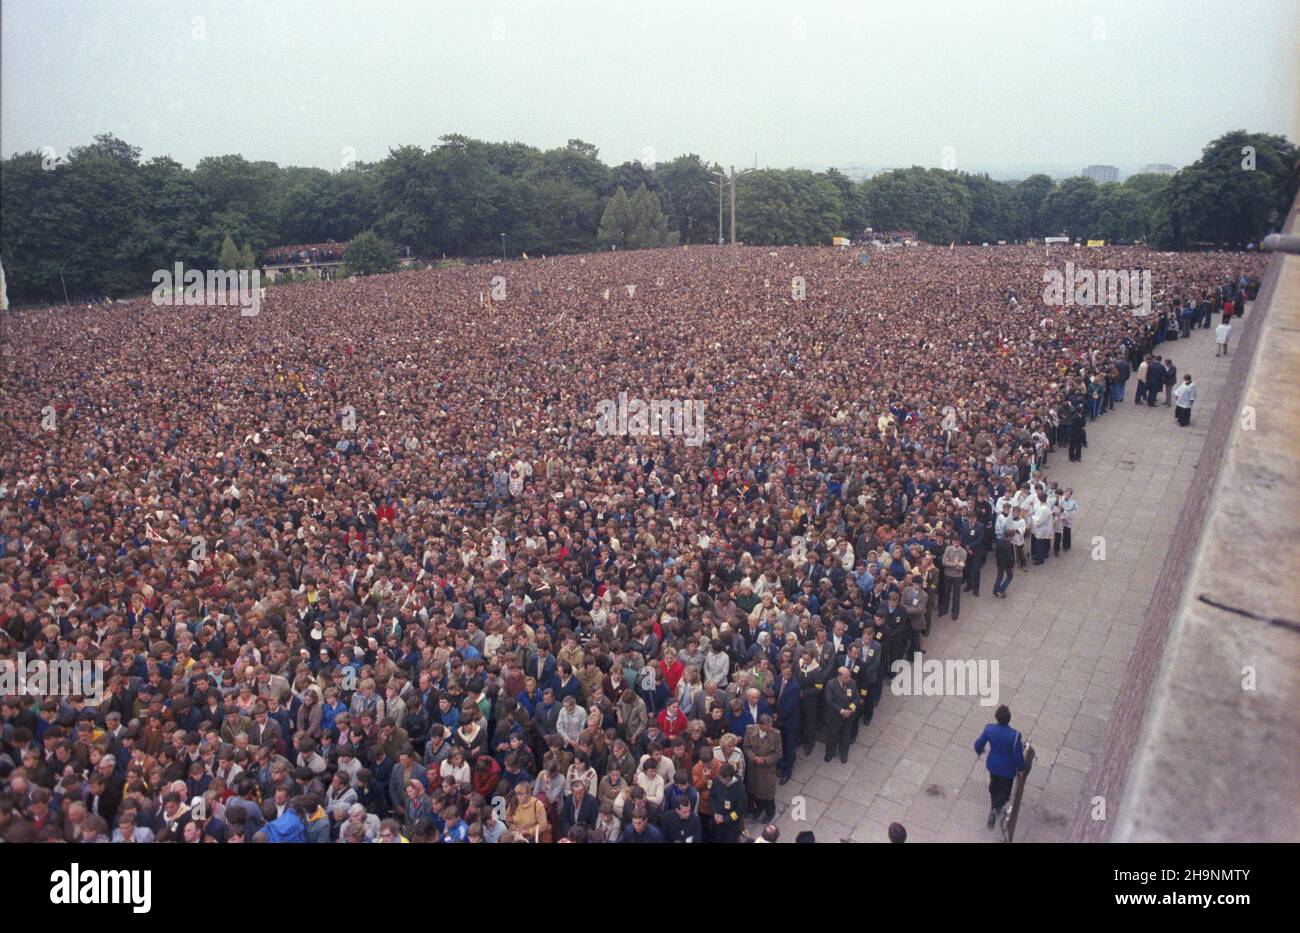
(1062, 639)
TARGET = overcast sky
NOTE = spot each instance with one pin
(1008, 85)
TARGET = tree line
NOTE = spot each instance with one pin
(99, 221)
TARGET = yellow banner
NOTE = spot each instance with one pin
(1096, 242)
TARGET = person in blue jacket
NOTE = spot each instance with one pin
(289, 826)
(1006, 759)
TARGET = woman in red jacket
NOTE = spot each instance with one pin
(672, 721)
(671, 669)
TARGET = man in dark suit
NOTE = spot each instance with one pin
(579, 808)
(101, 799)
(812, 679)
(264, 730)
(541, 666)
(841, 704)
(787, 692)
(973, 542)
(1155, 381)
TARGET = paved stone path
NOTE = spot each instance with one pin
(1062, 638)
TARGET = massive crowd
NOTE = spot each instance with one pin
(359, 567)
(302, 253)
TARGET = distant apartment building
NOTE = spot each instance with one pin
(1158, 168)
(1101, 173)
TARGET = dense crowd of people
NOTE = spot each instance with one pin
(360, 569)
(302, 253)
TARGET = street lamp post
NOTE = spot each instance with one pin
(722, 180)
(503, 246)
(734, 176)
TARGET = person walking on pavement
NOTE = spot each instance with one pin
(1184, 396)
(1171, 380)
(1006, 760)
(1221, 335)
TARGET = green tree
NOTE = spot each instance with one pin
(325, 206)
(367, 254)
(568, 215)
(994, 211)
(1029, 196)
(1071, 208)
(1121, 213)
(247, 259)
(649, 225)
(630, 176)
(236, 186)
(1238, 190)
(930, 201)
(689, 199)
(229, 256)
(408, 200)
(617, 222)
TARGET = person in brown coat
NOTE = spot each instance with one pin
(762, 754)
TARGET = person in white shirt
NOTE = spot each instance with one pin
(1184, 396)
(1221, 334)
(1068, 509)
(1040, 520)
(1020, 526)
(1058, 527)
(1003, 519)
(847, 560)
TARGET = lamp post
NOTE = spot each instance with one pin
(722, 180)
(734, 176)
(503, 246)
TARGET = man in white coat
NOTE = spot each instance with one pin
(1221, 335)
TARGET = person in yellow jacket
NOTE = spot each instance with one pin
(526, 815)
